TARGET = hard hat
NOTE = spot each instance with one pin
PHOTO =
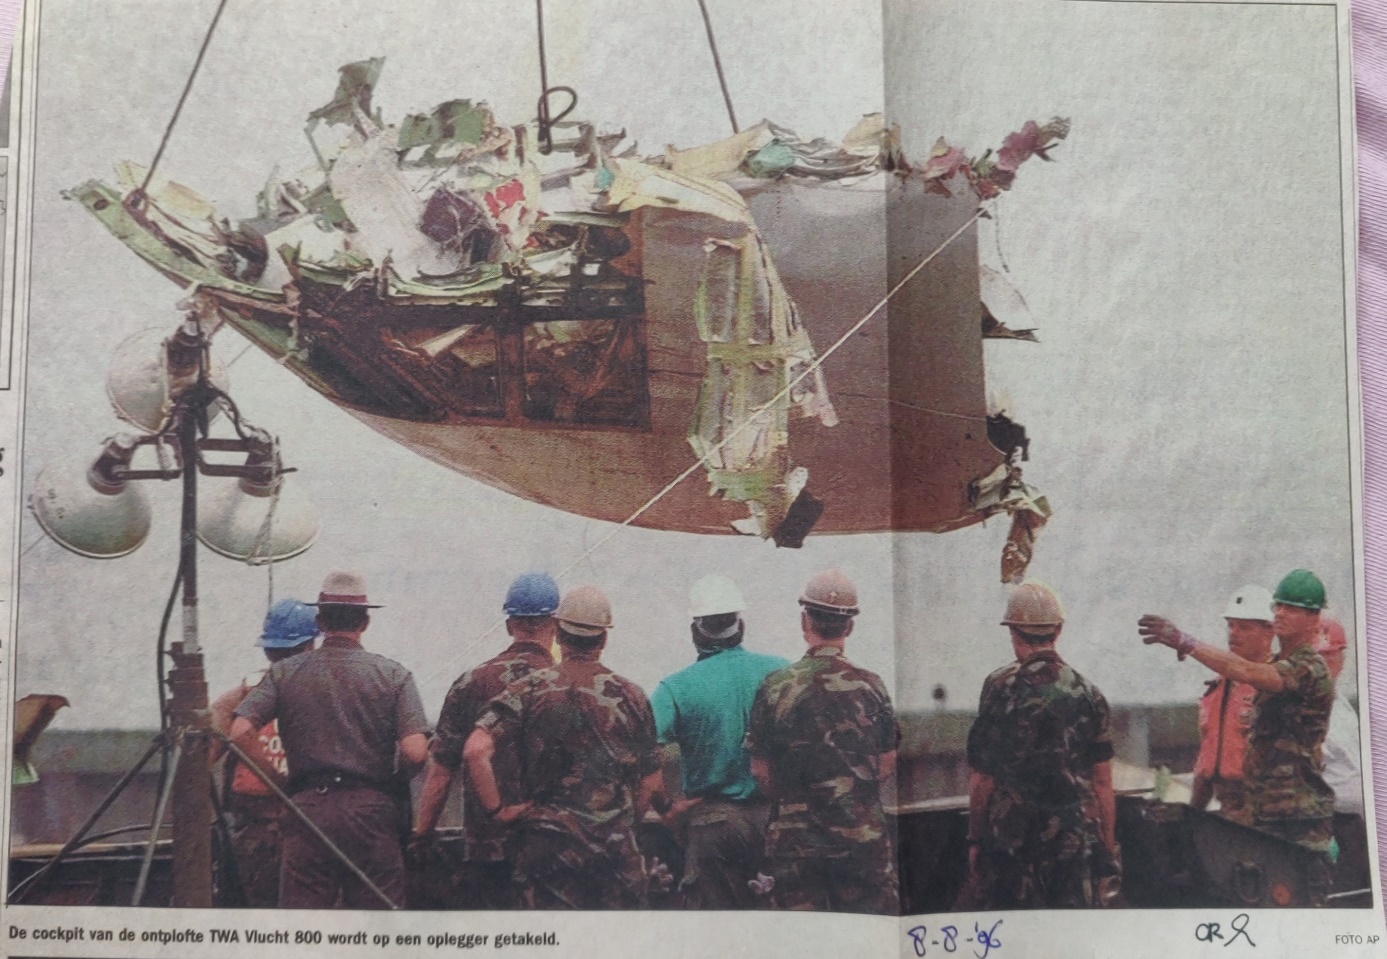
(832, 592)
(714, 595)
(532, 594)
(290, 623)
(1249, 602)
(1034, 604)
(1332, 636)
(585, 611)
(1301, 588)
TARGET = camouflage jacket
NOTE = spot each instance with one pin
(822, 725)
(1041, 728)
(466, 701)
(1284, 768)
(584, 738)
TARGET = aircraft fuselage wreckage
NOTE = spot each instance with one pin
(579, 325)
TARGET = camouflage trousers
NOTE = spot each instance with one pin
(1061, 869)
(1232, 800)
(257, 845)
(557, 871)
(862, 881)
(1316, 836)
(725, 849)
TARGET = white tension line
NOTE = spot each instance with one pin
(703, 460)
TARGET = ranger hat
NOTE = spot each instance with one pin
(343, 587)
(584, 611)
(832, 592)
(1034, 606)
(291, 623)
(532, 595)
(1250, 602)
(1301, 588)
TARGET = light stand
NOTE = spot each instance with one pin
(186, 735)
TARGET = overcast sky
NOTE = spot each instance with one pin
(1182, 256)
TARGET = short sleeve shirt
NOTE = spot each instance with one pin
(704, 708)
(822, 725)
(584, 738)
(1285, 758)
(1041, 730)
(340, 709)
(466, 701)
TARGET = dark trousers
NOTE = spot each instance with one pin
(256, 843)
(725, 850)
(363, 824)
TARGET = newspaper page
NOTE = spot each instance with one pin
(881, 477)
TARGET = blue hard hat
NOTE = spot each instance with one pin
(532, 594)
(291, 623)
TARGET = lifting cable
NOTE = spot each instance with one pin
(546, 121)
(717, 65)
(187, 87)
(702, 461)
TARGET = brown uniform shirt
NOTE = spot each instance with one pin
(340, 710)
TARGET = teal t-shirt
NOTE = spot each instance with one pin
(704, 708)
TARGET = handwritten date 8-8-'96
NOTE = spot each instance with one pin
(946, 939)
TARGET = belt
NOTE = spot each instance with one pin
(324, 780)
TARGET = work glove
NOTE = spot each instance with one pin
(660, 878)
(1158, 629)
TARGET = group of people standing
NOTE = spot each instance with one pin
(778, 791)
(782, 768)
(1042, 811)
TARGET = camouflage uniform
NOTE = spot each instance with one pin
(584, 738)
(822, 725)
(1287, 794)
(1040, 731)
(482, 878)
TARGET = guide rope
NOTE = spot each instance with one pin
(702, 461)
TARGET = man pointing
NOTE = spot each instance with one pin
(1284, 768)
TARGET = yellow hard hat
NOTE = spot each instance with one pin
(1034, 606)
(832, 592)
(584, 611)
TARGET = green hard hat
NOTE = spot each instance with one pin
(1301, 588)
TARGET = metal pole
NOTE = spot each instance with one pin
(303, 818)
(187, 550)
(92, 820)
(165, 789)
(192, 799)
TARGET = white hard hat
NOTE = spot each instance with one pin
(713, 596)
(1250, 602)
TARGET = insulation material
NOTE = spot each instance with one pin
(1003, 491)
(366, 181)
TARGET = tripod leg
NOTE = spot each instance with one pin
(303, 818)
(81, 834)
(165, 789)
